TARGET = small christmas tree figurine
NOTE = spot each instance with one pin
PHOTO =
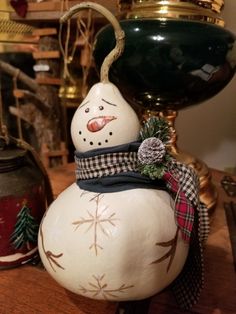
(26, 228)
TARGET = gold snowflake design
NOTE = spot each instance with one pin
(96, 221)
(99, 288)
(51, 257)
(169, 254)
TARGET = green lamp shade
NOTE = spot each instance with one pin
(169, 64)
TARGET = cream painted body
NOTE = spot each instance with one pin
(107, 246)
(108, 242)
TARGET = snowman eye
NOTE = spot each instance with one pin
(101, 107)
(86, 110)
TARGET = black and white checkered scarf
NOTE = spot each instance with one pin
(105, 162)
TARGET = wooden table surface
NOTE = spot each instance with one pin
(30, 290)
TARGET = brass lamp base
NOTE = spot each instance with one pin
(208, 193)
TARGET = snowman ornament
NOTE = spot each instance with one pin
(114, 234)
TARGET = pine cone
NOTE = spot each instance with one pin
(151, 151)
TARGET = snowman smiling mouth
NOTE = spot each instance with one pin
(98, 123)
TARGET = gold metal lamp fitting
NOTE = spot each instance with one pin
(197, 10)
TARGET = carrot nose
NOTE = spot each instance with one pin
(98, 123)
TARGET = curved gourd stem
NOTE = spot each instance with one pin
(119, 34)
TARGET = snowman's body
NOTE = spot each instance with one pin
(118, 246)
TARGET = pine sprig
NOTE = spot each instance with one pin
(156, 127)
(152, 171)
(155, 171)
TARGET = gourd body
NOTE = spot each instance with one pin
(121, 245)
(107, 246)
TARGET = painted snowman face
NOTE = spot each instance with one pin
(104, 119)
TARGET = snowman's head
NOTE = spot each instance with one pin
(103, 119)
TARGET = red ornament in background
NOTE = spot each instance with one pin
(20, 6)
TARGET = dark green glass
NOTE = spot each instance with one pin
(169, 64)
